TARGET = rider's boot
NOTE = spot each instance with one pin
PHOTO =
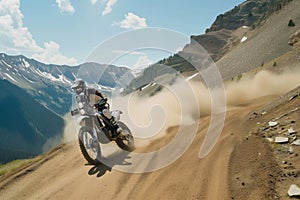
(117, 129)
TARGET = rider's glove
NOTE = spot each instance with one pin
(101, 103)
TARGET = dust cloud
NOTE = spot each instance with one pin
(185, 102)
(70, 133)
(71, 128)
(264, 83)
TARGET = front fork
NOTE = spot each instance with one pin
(95, 141)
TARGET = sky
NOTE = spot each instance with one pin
(67, 31)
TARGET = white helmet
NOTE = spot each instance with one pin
(78, 86)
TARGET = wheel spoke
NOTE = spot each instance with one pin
(89, 144)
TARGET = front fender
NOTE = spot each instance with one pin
(80, 120)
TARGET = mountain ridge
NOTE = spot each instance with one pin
(248, 13)
(220, 38)
(50, 84)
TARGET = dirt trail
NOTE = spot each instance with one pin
(62, 174)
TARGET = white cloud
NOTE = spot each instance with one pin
(17, 39)
(65, 6)
(128, 52)
(132, 21)
(108, 6)
(94, 1)
(14, 36)
(142, 62)
(52, 55)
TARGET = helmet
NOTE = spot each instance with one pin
(78, 86)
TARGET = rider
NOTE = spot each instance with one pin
(92, 94)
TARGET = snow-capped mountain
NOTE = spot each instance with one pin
(50, 84)
(27, 72)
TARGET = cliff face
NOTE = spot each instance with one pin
(249, 13)
(228, 29)
(224, 33)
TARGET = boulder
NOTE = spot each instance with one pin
(291, 131)
(297, 143)
(294, 191)
(280, 140)
(295, 38)
(271, 124)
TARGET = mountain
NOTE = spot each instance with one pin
(25, 125)
(50, 84)
(34, 97)
(264, 44)
(230, 30)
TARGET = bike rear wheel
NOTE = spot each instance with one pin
(126, 143)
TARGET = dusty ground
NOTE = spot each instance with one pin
(243, 165)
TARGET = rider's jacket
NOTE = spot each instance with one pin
(93, 95)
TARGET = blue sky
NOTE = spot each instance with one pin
(66, 31)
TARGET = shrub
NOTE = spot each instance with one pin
(291, 23)
(239, 77)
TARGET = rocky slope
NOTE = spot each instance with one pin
(249, 13)
(264, 44)
(260, 163)
(227, 32)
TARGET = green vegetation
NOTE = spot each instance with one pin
(16, 164)
(291, 23)
(280, 148)
(178, 63)
(250, 14)
(239, 77)
(158, 89)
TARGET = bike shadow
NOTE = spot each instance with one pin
(99, 170)
(107, 163)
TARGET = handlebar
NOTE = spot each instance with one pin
(100, 103)
(75, 112)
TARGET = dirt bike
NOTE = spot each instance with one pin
(96, 129)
